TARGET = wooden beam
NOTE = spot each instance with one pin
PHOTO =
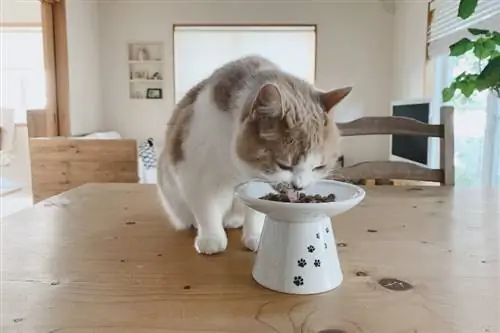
(62, 67)
(56, 65)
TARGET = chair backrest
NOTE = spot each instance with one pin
(37, 123)
(384, 170)
(59, 164)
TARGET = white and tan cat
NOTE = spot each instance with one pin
(248, 120)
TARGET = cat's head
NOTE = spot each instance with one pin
(287, 134)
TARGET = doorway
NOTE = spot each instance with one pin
(34, 94)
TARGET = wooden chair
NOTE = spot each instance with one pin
(37, 123)
(382, 171)
(59, 164)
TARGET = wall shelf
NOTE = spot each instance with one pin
(145, 66)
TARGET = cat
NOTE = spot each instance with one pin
(249, 119)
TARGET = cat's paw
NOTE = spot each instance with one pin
(233, 221)
(251, 242)
(210, 244)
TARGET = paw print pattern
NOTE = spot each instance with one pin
(318, 236)
(311, 249)
(301, 262)
(326, 246)
(317, 263)
(327, 230)
(298, 281)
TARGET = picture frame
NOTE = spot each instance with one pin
(154, 93)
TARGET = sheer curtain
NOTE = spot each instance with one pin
(198, 50)
(491, 170)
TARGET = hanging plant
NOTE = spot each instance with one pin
(485, 45)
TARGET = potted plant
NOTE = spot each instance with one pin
(485, 45)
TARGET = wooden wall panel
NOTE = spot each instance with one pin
(59, 164)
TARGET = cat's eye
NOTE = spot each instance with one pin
(284, 166)
(320, 167)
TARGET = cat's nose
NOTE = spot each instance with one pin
(296, 187)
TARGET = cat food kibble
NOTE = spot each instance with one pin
(302, 198)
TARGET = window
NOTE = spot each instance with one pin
(476, 150)
(23, 72)
(477, 119)
(200, 50)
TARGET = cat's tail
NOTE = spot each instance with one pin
(175, 206)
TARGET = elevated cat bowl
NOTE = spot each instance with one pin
(297, 253)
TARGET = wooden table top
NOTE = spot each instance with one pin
(101, 258)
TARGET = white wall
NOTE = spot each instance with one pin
(354, 47)
(410, 31)
(84, 66)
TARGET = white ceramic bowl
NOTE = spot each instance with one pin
(297, 252)
(347, 196)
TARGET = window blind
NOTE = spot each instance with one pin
(447, 28)
(198, 50)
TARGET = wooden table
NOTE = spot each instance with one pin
(101, 258)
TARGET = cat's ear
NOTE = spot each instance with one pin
(268, 102)
(331, 98)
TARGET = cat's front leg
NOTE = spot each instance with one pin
(208, 209)
(252, 228)
(235, 216)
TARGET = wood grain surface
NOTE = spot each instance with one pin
(102, 259)
(59, 164)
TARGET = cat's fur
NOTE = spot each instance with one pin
(249, 119)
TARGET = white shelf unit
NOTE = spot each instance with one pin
(145, 65)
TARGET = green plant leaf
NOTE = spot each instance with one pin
(448, 94)
(479, 31)
(467, 87)
(460, 76)
(483, 48)
(460, 47)
(496, 37)
(490, 75)
(495, 53)
(466, 8)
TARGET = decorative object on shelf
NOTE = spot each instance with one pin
(141, 75)
(142, 54)
(485, 45)
(156, 76)
(154, 93)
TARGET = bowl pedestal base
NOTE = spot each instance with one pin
(298, 257)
